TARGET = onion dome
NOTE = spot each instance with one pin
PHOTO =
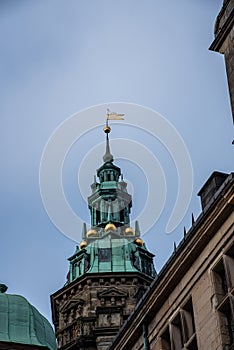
(110, 227)
(83, 244)
(129, 231)
(139, 242)
(21, 323)
(91, 233)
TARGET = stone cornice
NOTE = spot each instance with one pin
(222, 34)
(93, 276)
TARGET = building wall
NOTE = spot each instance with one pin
(224, 42)
(191, 304)
(196, 285)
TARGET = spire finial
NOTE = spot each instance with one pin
(110, 116)
(193, 220)
(107, 156)
(137, 229)
(84, 230)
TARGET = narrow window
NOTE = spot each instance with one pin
(176, 333)
(165, 340)
(223, 278)
(227, 322)
(188, 320)
(220, 281)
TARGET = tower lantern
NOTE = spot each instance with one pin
(109, 201)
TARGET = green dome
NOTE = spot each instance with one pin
(21, 323)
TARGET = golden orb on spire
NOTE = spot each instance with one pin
(91, 233)
(110, 227)
(107, 129)
(83, 244)
(129, 231)
(139, 242)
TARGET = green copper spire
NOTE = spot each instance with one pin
(110, 245)
(107, 156)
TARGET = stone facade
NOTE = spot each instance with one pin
(88, 313)
(191, 303)
(224, 42)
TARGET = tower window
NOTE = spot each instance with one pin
(104, 254)
(97, 216)
(122, 215)
(76, 269)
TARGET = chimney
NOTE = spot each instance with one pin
(211, 186)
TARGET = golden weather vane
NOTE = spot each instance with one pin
(112, 116)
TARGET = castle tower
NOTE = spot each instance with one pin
(224, 42)
(109, 271)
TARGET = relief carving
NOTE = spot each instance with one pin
(109, 320)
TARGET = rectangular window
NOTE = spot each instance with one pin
(228, 259)
(188, 321)
(104, 254)
(176, 333)
(225, 311)
(180, 333)
(223, 278)
(220, 281)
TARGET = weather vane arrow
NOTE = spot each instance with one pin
(113, 115)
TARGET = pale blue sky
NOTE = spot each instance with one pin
(58, 57)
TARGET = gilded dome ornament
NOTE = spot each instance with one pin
(139, 242)
(91, 233)
(110, 227)
(83, 244)
(129, 231)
